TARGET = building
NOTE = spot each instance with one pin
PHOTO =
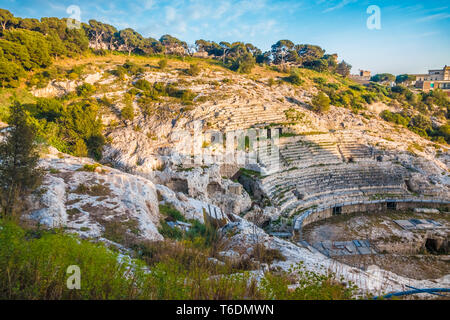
(435, 79)
(364, 73)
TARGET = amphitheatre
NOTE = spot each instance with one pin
(306, 167)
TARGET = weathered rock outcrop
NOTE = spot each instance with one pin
(96, 201)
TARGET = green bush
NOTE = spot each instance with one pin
(395, 117)
(143, 84)
(194, 70)
(162, 64)
(85, 89)
(295, 78)
(127, 112)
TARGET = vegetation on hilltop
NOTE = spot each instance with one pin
(29, 48)
(30, 45)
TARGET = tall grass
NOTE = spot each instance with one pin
(33, 265)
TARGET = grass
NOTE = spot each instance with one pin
(95, 190)
(89, 167)
(6, 94)
(33, 265)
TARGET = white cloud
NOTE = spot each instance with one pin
(340, 5)
(148, 4)
(434, 17)
(171, 14)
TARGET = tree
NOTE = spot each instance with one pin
(34, 42)
(283, 51)
(321, 103)
(331, 60)
(19, 172)
(95, 145)
(29, 24)
(319, 65)
(243, 63)
(309, 52)
(343, 68)
(383, 77)
(226, 47)
(173, 45)
(96, 31)
(80, 148)
(445, 132)
(405, 78)
(15, 52)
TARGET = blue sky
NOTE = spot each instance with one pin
(414, 35)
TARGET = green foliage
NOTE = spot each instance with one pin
(10, 74)
(162, 64)
(19, 174)
(396, 118)
(321, 103)
(243, 63)
(194, 70)
(318, 65)
(294, 115)
(143, 85)
(383, 77)
(444, 131)
(35, 44)
(70, 128)
(402, 78)
(171, 212)
(203, 235)
(85, 89)
(343, 68)
(127, 112)
(33, 265)
(295, 78)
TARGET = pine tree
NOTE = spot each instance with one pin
(19, 174)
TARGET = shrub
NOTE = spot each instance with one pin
(194, 70)
(143, 84)
(171, 212)
(127, 112)
(85, 89)
(295, 78)
(162, 64)
(33, 266)
(395, 117)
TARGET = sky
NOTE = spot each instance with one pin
(413, 36)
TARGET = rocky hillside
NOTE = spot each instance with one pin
(147, 163)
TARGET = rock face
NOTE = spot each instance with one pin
(206, 185)
(96, 203)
